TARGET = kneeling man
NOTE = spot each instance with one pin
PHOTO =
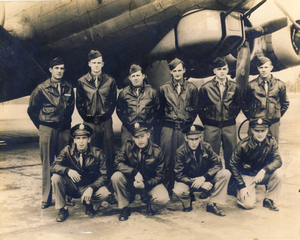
(79, 171)
(140, 169)
(256, 160)
(198, 168)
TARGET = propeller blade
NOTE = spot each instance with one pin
(274, 25)
(243, 66)
(287, 14)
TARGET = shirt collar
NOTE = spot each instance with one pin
(182, 83)
(216, 82)
(49, 83)
(148, 149)
(74, 151)
(262, 81)
(253, 144)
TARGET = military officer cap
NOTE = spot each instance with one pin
(194, 129)
(81, 130)
(219, 62)
(138, 128)
(56, 61)
(262, 60)
(94, 54)
(134, 68)
(174, 63)
(259, 123)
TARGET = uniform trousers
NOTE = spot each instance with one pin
(103, 138)
(272, 182)
(158, 195)
(170, 140)
(274, 131)
(225, 135)
(51, 143)
(218, 192)
(63, 185)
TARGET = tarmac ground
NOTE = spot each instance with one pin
(22, 218)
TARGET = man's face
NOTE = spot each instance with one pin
(265, 70)
(193, 140)
(259, 134)
(221, 72)
(96, 65)
(137, 78)
(178, 72)
(57, 71)
(142, 139)
(82, 143)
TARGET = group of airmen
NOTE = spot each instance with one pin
(163, 152)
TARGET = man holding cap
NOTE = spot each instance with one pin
(137, 102)
(79, 171)
(51, 106)
(95, 101)
(256, 160)
(178, 99)
(266, 97)
(219, 105)
(197, 169)
(140, 169)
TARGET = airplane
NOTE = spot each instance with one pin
(145, 31)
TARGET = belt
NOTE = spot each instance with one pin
(215, 123)
(176, 125)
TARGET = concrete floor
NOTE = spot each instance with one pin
(22, 218)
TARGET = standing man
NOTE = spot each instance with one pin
(51, 106)
(95, 101)
(79, 171)
(140, 169)
(266, 97)
(198, 168)
(178, 99)
(219, 105)
(256, 160)
(138, 102)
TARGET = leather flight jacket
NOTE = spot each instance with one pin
(151, 166)
(217, 111)
(96, 104)
(93, 171)
(178, 111)
(272, 106)
(206, 163)
(49, 107)
(142, 108)
(249, 157)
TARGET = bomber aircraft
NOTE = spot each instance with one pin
(144, 31)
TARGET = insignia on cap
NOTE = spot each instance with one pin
(136, 125)
(81, 126)
(260, 121)
(193, 128)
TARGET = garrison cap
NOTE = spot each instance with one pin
(56, 61)
(94, 54)
(138, 128)
(259, 123)
(262, 60)
(81, 130)
(134, 68)
(194, 129)
(219, 62)
(174, 63)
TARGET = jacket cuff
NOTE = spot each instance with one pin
(239, 187)
(67, 170)
(134, 172)
(206, 176)
(267, 169)
(93, 187)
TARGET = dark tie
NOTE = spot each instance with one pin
(96, 82)
(140, 155)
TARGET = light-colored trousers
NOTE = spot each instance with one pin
(218, 192)
(63, 185)
(158, 195)
(273, 183)
(51, 142)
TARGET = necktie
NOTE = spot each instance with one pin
(266, 87)
(58, 88)
(194, 154)
(178, 88)
(80, 159)
(137, 91)
(222, 88)
(96, 82)
(140, 155)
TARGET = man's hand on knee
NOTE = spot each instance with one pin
(260, 176)
(207, 186)
(74, 175)
(198, 182)
(87, 195)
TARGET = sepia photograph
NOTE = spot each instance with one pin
(150, 119)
